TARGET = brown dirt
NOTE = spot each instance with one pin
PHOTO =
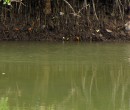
(105, 30)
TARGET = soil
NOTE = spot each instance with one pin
(79, 30)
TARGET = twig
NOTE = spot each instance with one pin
(19, 1)
(94, 10)
(69, 6)
(74, 13)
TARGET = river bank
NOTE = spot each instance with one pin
(67, 20)
(63, 29)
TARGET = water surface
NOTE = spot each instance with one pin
(65, 76)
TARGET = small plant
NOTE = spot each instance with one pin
(7, 2)
(4, 103)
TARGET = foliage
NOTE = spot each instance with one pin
(7, 2)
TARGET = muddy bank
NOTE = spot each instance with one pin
(106, 29)
(66, 20)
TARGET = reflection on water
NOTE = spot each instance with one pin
(54, 76)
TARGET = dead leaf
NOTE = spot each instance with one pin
(67, 39)
(63, 38)
(93, 34)
(30, 29)
(108, 30)
(16, 29)
(97, 30)
(77, 38)
(61, 13)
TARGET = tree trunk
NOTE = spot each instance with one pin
(48, 9)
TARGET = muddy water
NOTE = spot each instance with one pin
(65, 76)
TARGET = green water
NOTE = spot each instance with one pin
(65, 76)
